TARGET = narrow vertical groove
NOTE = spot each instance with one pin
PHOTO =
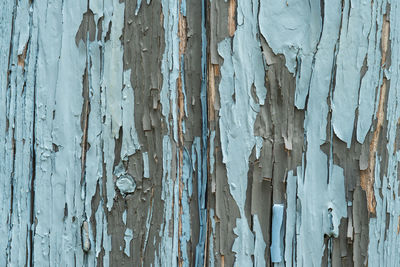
(10, 54)
(85, 113)
(33, 175)
(202, 198)
(33, 172)
(182, 47)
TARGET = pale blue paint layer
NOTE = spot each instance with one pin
(130, 140)
(321, 190)
(128, 238)
(170, 64)
(167, 254)
(6, 16)
(276, 242)
(138, 5)
(293, 28)
(94, 158)
(259, 144)
(183, 8)
(146, 171)
(384, 240)
(185, 217)
(352, 48)
(112, 82)
(125, 182)
(291, 217)
(57, 183)
(259, 247)
(240, 71)
(17, 106)
(373, 77)
(124, 217)
(170, 67)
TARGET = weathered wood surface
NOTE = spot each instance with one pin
(199, 133)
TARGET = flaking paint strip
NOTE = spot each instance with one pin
(170, 64)
(202, 147)
(384, 239)
(167, 255)
(57, 171)
(316, 208)
(259, 247)
(128, 235)
(277, 242)
(294, 31)
(291, 214)
(146, 171)
(130, 140)
(239, 73)
(354, 38)
(112, 82)
(186, 225)
(211, 257)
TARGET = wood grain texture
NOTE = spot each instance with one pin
(199, 133)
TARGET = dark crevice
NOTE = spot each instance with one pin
(10, 56)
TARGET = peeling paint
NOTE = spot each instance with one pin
(128, 238)
(276, 244)
(146, 171)
(117, 147)
(239, 72)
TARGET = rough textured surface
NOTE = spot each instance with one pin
(199, 133)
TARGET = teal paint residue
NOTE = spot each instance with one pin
(293, 28)
(240, 71)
